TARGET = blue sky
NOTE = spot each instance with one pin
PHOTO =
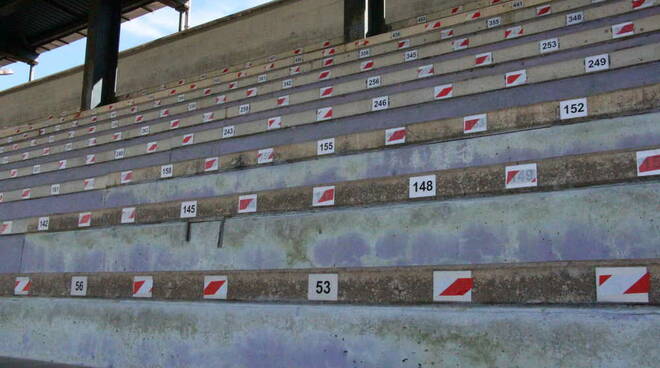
(136, 32)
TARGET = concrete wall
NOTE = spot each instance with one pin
(399, 10)
(251, 35)
(167, 334)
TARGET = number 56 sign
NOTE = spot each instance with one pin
(323, 287)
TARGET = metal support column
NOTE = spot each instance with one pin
(354, 22)
(375, 17)
(101, 54)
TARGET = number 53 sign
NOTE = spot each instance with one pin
(322, 287)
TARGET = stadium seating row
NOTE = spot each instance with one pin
(466, 63)
(561, 6)
(618, 59)
(539, 115)
(564, 283)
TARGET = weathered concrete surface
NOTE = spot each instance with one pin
(158, 334)
(513, 284)
(615, 222)
(25, 363)
(593, 136)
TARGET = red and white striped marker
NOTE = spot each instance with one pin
(521, 176)
(326, 91)
(326, 44)
(22, 286)
(265, 156)
(433, 25)
(403, 44)
(126, 177)
(85, 219)
(513, 32)
(94, 119)
(26, 193)
(452, 286)
(241, 74)
(128, 215)
(367, 65)
(641, 4)
(215, 287)
(623, 30)
(5, 227)
(251, 92)
(475, 123)
(46, 150)
(88, 184)
(324, 75)
(328, 62)
(461, 44)
(90, 159)
(446, 33)
(139, 118)
(208, 92)
(283, 100)
(395, 136)
(456, 10)
(443, 92)
(188, 139)
(2, 199)
(219, 100)
(324, 113)
(90, 143)
(152, 147)
(298, 51)
(543, 10)
(323, 196)
(143, 286)
(208, 117)
(25, 155)
(61, 165)
(622, 284)
(13, 173)
(648, 163)
(157, 103)
(473, 15)
(295, 70)
(274, 123)
(516, 78)
(247, 203)
(425, 71)
(211, 164)
(134, 109)
(174, 124)
(483, 59)
(164, 113)
(232, 85)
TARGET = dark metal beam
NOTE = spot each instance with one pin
(376, 17)
(101, 54)
(179, 5)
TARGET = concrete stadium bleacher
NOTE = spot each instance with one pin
(307, 218)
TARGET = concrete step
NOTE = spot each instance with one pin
(620, 133)
(597, 223)
(165, 334)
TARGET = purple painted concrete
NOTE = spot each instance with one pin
(11, 250)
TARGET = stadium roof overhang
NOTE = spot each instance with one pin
(31, 27)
